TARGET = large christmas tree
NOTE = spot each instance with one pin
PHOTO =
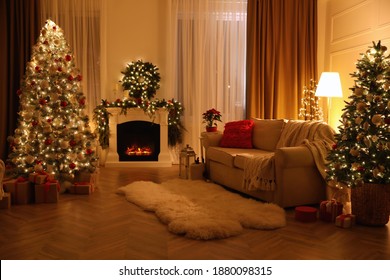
(362, 150)
(53, 132)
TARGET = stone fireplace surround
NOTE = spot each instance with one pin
(136, 114)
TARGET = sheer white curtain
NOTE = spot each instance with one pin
(80, 22)
(207, 58)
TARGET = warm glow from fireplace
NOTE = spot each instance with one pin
(138, 151)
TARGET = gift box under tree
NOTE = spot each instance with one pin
(47, 192)
(330, 209)
(82, 188)
(21, 190)
(345, 220)
(5, 201)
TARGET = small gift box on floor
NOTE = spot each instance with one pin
(5, 201)
(345, 220)
(21, 190)
(47, 192)
(81, 188)
(305, 214)
(330, 209)
(85, 177)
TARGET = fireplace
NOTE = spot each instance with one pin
(137, 140)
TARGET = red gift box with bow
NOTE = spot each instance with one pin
(21, 190)
(47, 192)
(330, 209)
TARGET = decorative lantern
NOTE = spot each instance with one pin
(187, 156)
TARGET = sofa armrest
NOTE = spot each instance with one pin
(299, 156)
(211, 139)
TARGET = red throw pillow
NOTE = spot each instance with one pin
(237, 134)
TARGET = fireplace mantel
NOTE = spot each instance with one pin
(136, 114)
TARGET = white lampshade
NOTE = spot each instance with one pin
(329, 85)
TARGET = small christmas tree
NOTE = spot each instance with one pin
(362, 150)
(53, 131)
(310, 110)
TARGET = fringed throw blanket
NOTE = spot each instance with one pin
(259, 173)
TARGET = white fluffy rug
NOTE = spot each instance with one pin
(202, 210)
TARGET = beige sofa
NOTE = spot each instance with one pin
(297, 150)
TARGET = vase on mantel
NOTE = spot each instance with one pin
(211, 128)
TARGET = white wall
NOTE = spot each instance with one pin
(350, 27)
(133, 29)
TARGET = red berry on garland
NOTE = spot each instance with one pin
(72, 165)
(70, 78)
(68, 57)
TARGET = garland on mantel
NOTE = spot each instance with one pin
(174, 108)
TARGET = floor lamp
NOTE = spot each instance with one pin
(329, 86)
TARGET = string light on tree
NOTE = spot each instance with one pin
(310, 109)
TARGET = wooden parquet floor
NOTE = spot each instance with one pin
(105, 226)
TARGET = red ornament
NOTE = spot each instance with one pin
(72, 165)
(64, 104)
(79, 77)
(72, 143)
(118, 100)
(34, 123)
(49, 120)
(19, 92)
(70, 78)
(46, 42)
(59, 69)
(334, 146)
(42, 101)
(68, 57)
(89, 151)
(82, 101)
(54, 28)
(48, 141)
(37, 69)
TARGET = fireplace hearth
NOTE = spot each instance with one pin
(136, 140)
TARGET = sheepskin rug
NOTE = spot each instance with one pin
(202, 210)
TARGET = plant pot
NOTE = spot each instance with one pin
(211, 128)
(371, 204)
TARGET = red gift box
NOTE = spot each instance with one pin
(82, 188)
(47, 192)
(345, 220)
(330, 209)
(305, 214)
(21, 190)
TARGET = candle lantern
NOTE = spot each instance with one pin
(187, 156)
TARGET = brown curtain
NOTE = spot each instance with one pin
(281, 56)
(18, 32)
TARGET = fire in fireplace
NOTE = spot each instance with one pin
(138, 141)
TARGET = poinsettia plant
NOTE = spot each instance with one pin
(211, 116)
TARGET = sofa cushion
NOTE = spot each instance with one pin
(266, 133)
(237, 134)
(224, 155)
(239, 160)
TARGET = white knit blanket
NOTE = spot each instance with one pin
(259, 173)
